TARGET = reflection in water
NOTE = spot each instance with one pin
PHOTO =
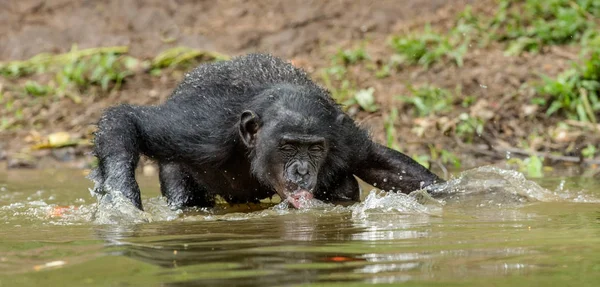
(486, 223)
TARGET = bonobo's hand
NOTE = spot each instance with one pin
(388, 169)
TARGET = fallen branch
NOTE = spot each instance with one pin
(580, 160)
(500, 152)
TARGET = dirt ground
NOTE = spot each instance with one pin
(307, 32)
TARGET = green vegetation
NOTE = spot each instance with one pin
(532, 24)
(576, 91)
(78, 70)
(524, 25)
(428, 100)
(343, 90)
(350, 56)
(444, 156)
(438, 155)
(427, 47)
(589, 151)
(182, 58)
(532, 166)
(91, 72)
(35, 89)
(365, 99)
(468, 126)
(42, 62)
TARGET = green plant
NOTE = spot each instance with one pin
(36, 89)
(444, 156)
(574, 92)
(428, 100)
(44, 62)
(183, 57)
(589, 151)
(106, 67)
(423, 159)
(350, 56)
(468, 126)
(98, 69)
(365, 99)
(342, 89)
(427, 47)
(533, 165)
(529, 25)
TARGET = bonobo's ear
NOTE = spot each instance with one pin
(249, 125)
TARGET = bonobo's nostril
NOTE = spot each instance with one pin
(302, 168)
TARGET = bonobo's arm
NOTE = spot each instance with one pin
(388, 169)
(117, 147)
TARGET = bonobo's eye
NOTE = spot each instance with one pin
(316, 148)
(287, 148)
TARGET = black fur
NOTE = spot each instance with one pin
(196, 138)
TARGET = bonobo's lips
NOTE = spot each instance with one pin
(299, 198)
(296, 194)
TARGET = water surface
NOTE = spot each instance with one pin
(487, 227)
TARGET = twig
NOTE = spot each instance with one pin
(563, 158)
(583, 124)
(500, 152)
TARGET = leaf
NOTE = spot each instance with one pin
(366, 100)
(534, 166)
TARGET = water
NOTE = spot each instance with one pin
(486, 227)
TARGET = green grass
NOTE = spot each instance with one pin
(76, 71)
(444, 156)
(350, 56)
(427, 47)
(532, 166)
(41, 63)
(468, 127)
(428, 100)
(35, 89)
(575, 92)
(337, 80)
(531, 25)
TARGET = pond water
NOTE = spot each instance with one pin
(486, 227)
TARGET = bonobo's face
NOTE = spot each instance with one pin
(286, 153)
(296, 161)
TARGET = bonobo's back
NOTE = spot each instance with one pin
(242, 76)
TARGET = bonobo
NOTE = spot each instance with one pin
(247, 129)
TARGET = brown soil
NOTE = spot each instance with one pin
(307, 32)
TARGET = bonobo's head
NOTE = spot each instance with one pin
(289, 137)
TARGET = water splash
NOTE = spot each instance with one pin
(418, 202)
(114, 208)
(480, 187)
(496, 186)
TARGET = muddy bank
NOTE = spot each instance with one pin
(309, 33)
